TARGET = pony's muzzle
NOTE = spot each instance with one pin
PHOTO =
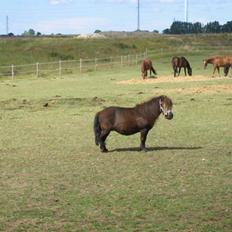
(168, 115)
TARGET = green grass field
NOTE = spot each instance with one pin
(54, 178)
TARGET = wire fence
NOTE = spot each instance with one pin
(64, 67)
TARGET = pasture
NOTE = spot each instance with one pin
(54, 178)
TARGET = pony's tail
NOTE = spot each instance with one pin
(226, 70)
(97, 129)
(153, 70)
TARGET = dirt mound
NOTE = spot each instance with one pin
(207, 88)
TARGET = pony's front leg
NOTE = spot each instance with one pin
(145, 74)
(214, 69)
(179, 71)
(185, 71)
(143, 137)
(218, 69)
(175, 71)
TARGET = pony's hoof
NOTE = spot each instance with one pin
(104, 150)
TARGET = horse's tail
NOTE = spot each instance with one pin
(97, 129)
(226, 70)
(153, 70)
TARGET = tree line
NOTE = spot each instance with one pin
(179, 27)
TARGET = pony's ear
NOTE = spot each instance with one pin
(162, 98)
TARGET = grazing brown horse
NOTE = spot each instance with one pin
(181, 62)
(147, 65)
(128, 121)
(217, 62)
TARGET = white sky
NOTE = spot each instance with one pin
(85, 16)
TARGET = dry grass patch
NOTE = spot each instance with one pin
(169, 79)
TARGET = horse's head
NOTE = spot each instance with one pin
(205, 62)
(166, 107)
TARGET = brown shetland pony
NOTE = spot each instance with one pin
(147, 65)
(217, 62)
(181, 62)
(128, 121)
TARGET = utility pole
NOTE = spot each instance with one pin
(186, 11)
(138, 19)
(7, 25)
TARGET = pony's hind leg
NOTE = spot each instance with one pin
(103, 136)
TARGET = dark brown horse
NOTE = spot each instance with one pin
(217, 62)
(145, 66)
(128, 121)
(181, 62)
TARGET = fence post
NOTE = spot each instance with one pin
(121, 60)
(95, 64)
(136, 59)
(12, 72)
(60, 67)
(80, 65)
(144, 55)
(37, 70)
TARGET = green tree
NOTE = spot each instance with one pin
(212, 27)
(197, 27)
(227, 27)
(30, 32)
(97, 31)
(166, 31)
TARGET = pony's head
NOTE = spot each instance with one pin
(166, 107)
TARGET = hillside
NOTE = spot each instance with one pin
(21, 50)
